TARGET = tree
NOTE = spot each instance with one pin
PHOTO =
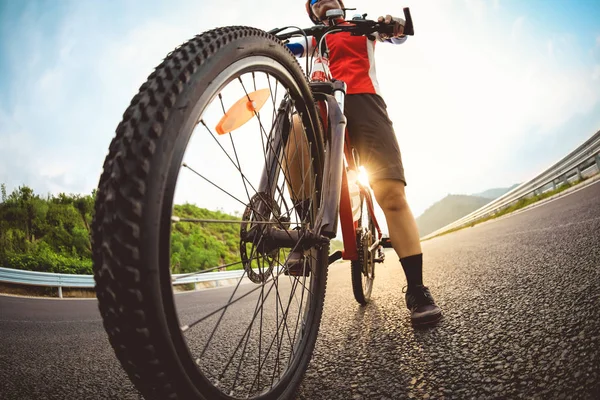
(85, 206)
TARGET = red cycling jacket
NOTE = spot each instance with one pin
(351, 58)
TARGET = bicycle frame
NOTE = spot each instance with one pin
(336, 195)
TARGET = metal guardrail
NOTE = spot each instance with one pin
(572, 165)
(34, 278)
(563, 171)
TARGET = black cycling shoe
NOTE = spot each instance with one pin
(423, 309)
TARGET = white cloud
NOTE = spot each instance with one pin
(477, 8)
(517, 28)
(464, 100)
(596, 72)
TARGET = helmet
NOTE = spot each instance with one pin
(312, 15)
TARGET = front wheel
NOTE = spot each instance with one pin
(196, 189)
(363, 269)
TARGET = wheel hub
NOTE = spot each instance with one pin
(256, 249)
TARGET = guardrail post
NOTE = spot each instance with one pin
(566, 180)
(554, 184)
(579, 177)
(60, 292)
(598, 161)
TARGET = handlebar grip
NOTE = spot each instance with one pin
(408, 25)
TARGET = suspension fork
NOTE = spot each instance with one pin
(273, 159)
(333, 171)
(327, 218)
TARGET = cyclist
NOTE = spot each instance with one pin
(370, 129)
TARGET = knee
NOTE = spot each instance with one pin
(392, 199)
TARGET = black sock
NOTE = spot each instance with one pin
(413, 269)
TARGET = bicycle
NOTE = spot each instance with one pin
(294, 183)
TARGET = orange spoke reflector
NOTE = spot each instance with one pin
(242, 111)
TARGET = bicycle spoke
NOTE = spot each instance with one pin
(229, 302)
(271, 344)
(263, 131)
(214, 184)
(227, 305)
(224, 221)
(245, 336)
(204, 271)
(273, 98)
(249, 328)
(245, 181)
(298, 321)
(237, 166)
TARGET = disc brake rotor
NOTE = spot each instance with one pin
(366, 257)
(262, 256)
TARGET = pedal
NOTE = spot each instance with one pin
(386, 242)
(380, 256)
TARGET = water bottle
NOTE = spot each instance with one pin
(320, 69)
(354, 194)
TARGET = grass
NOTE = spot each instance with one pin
(335, 245)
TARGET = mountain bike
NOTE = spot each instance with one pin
(229, 121)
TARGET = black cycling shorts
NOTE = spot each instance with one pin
(372, 134)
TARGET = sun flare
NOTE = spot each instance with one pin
(363, 177)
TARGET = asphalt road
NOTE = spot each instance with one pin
(522, 319)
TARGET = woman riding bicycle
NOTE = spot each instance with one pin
(351, 59)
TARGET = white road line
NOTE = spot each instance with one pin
(49, 322)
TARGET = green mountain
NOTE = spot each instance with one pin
(455, 206)
(495, 193)
(448, 210)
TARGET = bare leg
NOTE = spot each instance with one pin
(405, 239)
(404, 234)
(297, 161)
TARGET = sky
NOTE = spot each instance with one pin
(486, 94)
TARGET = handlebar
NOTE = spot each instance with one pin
(408, 26)
(358, 27)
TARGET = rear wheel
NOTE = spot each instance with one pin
(363, 269)
(195, 191)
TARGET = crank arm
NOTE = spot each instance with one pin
(282, 238)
